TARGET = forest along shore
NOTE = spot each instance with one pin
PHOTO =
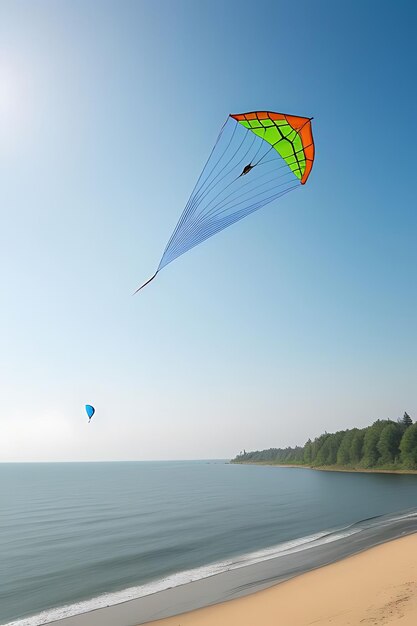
(386, 446)
(330, 468)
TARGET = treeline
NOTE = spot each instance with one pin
(387, 444)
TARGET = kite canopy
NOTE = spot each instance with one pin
(90, 410)
(289, 135)
(258, 157)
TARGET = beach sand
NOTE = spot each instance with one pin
(374, 588)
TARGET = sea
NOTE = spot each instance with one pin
(80, 536)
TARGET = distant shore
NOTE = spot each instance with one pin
(378, 586)
(331, 468)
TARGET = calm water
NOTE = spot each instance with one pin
(72, 532)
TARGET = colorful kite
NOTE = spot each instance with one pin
(258, 157)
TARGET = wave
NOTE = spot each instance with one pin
(205, 571)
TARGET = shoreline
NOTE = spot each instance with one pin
(240, 582)
(376, 586)
(330, 468)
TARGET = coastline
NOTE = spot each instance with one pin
(330, 468)
(378, 586)
(331, 548)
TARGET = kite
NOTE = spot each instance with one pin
(258, 157)
(90, 410)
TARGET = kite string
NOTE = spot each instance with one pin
(282, 167)
(190, 228)
(224, 204)
(198, 189)
(184, 213)
(184, 222)
(190, 212)
(196, 229)
(195, 200)
(193, 228)
(231, 219)
(242, 160)
(199, 199)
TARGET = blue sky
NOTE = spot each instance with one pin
(299, 319)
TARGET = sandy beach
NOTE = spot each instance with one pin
(376, 587)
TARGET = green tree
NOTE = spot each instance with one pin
(407, 421)
(334, 446)
(316, 446)
(307, 457)
(343, 454)
(408, 447)
(371, 453)
(356, 447)
(389, 443)
(319, 449)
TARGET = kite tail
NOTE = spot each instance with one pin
(147, 282)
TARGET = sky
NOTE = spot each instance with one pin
(299, 319)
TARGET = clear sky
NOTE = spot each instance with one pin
(299, 319)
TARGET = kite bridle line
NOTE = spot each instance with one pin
(187, 206)
(194, 227)
(201, 191)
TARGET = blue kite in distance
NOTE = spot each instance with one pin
(90, 411)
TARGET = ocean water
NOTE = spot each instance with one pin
(77, 536)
